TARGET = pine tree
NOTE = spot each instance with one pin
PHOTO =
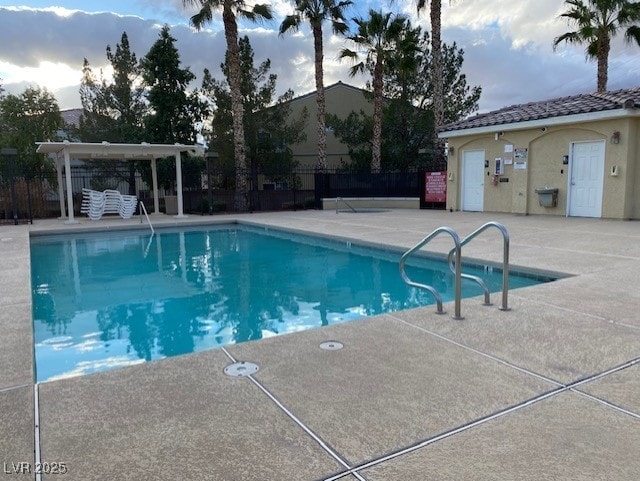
(174, 111)
(268, 128)
(114, 109)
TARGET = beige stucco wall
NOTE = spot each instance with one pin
(545, 150)
(633, 170)
(340, 100)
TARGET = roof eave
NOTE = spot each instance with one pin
(539, 123)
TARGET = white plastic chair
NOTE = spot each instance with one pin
(128, 204)
(93, 203)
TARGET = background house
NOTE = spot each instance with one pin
(585, 146)
(341, 99)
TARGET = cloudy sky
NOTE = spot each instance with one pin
(508, 45)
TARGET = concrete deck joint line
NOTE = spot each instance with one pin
(607, 403)
(568, 388)
(484, 354)
(595, 377)
(11, 388)
(573, 311)
(233, 359)
(36, 433)
(306, 429)
(295, 419)
(447, 434)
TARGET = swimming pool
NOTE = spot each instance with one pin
(107, 300)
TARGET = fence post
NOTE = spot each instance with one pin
(293, 183)
(27, 175)
(10, 156)
(320, 187)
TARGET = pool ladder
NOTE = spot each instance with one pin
(340, 199)
(455, 264)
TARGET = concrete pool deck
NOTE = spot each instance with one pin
(548, 390)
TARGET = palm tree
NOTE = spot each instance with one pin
(377, 38)
(231, 10)
(435, 14)
(316, 12)
(597, 21)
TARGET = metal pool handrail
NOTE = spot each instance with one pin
(457, 272)
(345, 203)
(453, 254)
(144, 209)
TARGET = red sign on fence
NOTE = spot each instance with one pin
(435, 187)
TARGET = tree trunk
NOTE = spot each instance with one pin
(603, 61)
(320, 114)
(436, 72)
(237, 109)
(377, 116)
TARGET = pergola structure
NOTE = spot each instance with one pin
(66, 150)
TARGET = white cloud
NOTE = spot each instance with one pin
(53, 75)
(508, 47)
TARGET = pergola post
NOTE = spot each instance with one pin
(67, 172)
(63, 210)
(179, 185)
(154, 181)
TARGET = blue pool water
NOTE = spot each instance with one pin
(107, 300)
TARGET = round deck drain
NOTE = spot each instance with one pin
(331, 346)
(241, 369)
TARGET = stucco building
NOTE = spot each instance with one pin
(585, 146)
(340, 99)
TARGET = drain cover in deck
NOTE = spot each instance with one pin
(241, 369)
(331, 346)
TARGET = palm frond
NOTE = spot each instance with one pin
(629, 13)
(339, 28)
(632, 34)
(205, 15)
(256, 14)
(348, 53)
(356, 69)
(290, 22)
(593, 49)
(263, 11)
(569, 37)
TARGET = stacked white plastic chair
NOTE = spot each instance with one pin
(95, 204)
(128, 204)
(111, 201)
(92, 203)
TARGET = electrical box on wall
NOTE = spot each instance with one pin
(498, 167)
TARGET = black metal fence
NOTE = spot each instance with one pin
(29, 195)
(385, 184)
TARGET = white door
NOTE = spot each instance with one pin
(586, 179)
(473, 180)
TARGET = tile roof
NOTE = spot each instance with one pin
(71, 117)
(558, 107)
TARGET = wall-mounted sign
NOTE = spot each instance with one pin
(435, 187)
(508, 148)
(520, 165)
(508, 160)
(521, 153)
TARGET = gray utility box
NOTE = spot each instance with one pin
(548, 197)
(171, 204)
